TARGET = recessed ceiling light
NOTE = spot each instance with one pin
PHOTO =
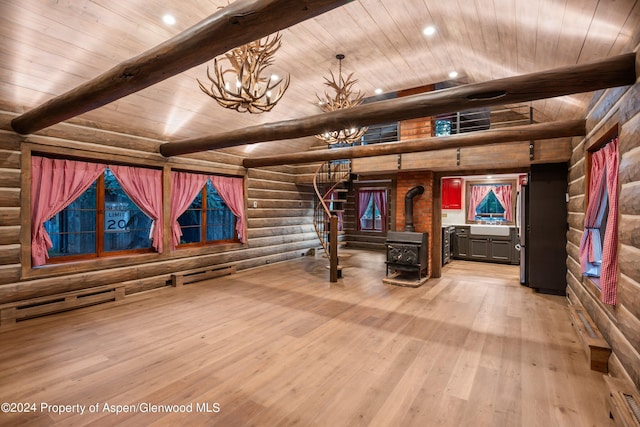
(169, 19)
(274, 77)
(378, 91)
(429, 31)
(453, 74)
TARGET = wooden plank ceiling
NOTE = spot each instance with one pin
(49, 47)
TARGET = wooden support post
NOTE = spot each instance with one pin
(333, 249)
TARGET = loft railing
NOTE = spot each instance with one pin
(450, 124)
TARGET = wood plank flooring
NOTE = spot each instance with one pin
(280, 345)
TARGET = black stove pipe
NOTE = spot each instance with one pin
(408, 207)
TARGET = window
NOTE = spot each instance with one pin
(443, 127)
(82, 230)
(599, 246)
(210, 210)
(490, 203)
(372, 208)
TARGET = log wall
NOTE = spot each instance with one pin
(280, 220)
(620, 324)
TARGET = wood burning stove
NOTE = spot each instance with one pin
(408, 251)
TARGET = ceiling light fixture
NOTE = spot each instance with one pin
(169, 19)
(429, 31)
(378, 91)
(344, 98)
(242, 86)
(453, 74)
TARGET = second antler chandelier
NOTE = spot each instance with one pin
(243, 87)
(344, 98)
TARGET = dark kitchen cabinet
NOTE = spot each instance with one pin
(490, 248)
(485, 248)
(461, 243)
(448, 234)
(451, 193)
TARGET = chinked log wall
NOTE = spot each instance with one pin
(280, 227)
(620, 324)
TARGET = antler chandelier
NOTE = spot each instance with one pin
(242, 86)
(344, 98)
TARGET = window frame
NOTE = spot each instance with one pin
(99, 249)
(383, 218)
(514, 188)
(203, 225)
(596, 146)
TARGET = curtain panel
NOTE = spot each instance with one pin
(380, 200)
(144, 187)
(603, 187)
(590, 244)
(364, 197)
(502, 192)
(184, 188)
(55, 184)
(478, 193)
(232, 192)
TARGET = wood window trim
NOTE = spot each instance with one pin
(514, 191)
(27, 272)
(203, 228)
(605, 138)
(385, 220)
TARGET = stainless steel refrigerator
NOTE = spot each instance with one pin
(522, 226)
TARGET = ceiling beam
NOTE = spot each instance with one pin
(611, 72)
(492, 136)
(241, 22)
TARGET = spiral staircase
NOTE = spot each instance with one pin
(329, 183)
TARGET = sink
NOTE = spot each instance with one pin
(490, 230)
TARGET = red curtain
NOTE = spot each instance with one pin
(144, 187)
(54, 185)
(184, 188)
(232, 192)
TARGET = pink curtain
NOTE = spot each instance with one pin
(380, 200)
(590, 245)
(478, 193)
(364, 197)
(609, 272)
(54, 185)
(144, 187)
(184, 188)
(503, 194)
(232, 192)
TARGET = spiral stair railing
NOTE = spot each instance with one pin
(328, 183)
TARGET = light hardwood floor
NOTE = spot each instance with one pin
(280, 345)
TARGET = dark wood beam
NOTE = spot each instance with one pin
(491, 136)
(239, 23)
(611, 72)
